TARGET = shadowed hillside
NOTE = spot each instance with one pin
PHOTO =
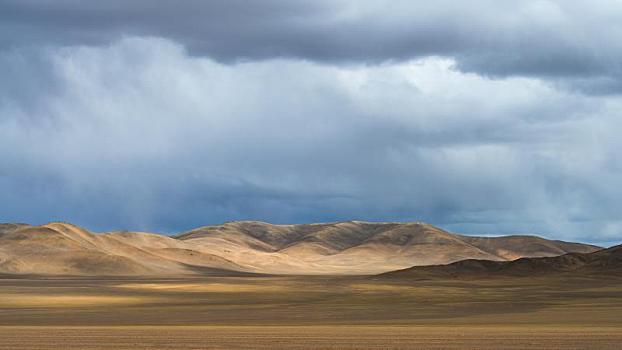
(361, 247)
(65, 249)
(606, 261)
(254, 247)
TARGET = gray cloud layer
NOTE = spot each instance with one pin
(486, 118)
(574, 43)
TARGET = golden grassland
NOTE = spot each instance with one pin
(311, 312)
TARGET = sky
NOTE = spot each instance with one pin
(481, 117)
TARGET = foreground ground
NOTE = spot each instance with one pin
(311, 312)
(310, 337)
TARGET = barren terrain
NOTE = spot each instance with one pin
(66, 288)
(341, 248)
(311, 312)
(311, 337)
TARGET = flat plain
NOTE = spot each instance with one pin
(570, 312)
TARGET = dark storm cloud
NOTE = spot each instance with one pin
(573, 43)
(141, 135)
(480, 116)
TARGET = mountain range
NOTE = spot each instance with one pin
(341, 248)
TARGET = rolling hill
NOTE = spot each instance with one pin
(351, 247)
(605, 262)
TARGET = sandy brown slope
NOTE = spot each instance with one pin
(65, 249)
(332, 248)
(356, 247)
(602, 262)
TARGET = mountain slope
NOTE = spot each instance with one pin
(241, 247)
(605, 261)
(360, 247)
(65, 249)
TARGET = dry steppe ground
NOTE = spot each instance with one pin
(568, 312)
